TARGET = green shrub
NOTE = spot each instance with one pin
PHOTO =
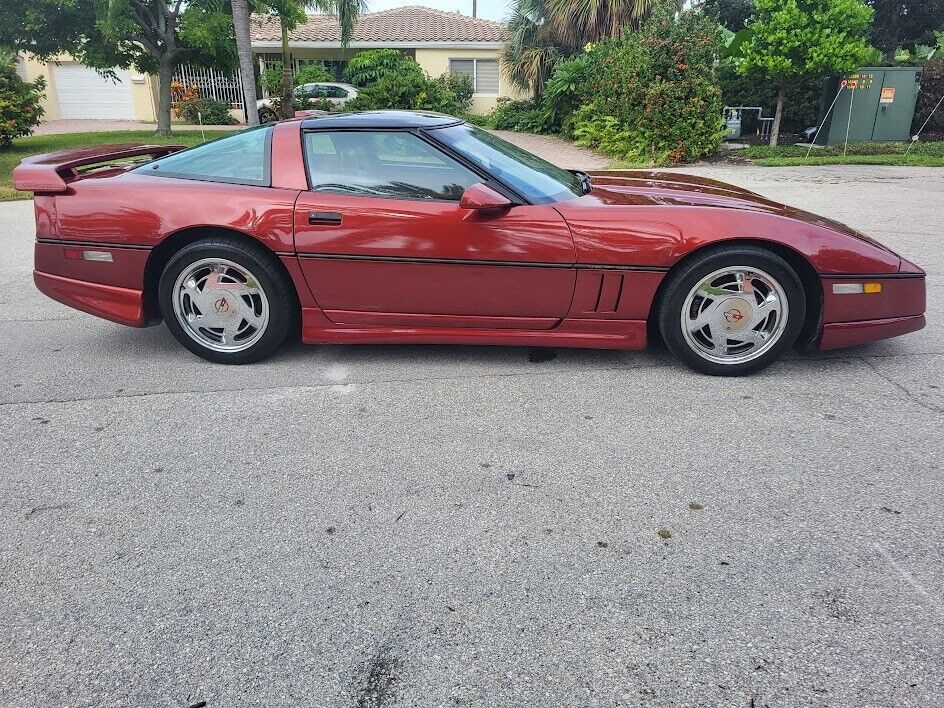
(308, 103)
(271, 79)
(461, 87)
(604, 133)
(405, 86)
(932, 89)
(372, 65)
(208, 110)
(477, 119)
(523, 116)
(652, 96)
(561, 95)
(20, 110)
(312, 73)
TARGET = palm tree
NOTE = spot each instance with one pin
(541, 32)
(347, 12)
(244, 51)
(291, 12)
(532, 48)
(580, 21)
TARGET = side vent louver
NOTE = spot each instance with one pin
(609, 293)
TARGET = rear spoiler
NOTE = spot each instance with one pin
(49, 172)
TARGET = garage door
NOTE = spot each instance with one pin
(83, 93)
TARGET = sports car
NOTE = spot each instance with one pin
(392, 226)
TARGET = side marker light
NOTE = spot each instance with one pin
(856, 288)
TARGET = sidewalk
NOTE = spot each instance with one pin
(57, 127)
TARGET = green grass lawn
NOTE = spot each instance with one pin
(922, 155)
(35, 144)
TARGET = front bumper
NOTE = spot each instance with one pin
(857, 318)
(122, 305)
(848, 334)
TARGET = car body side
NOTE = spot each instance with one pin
(609, 252)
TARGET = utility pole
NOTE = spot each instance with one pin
(474, 8)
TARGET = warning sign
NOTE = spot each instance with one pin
(888, 95)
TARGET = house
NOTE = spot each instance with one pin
(74, 90)
(441, 42)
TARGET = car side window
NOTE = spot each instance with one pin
(241, 158)
(383, 164)
(335, 92)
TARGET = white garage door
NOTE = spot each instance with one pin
(83, 93)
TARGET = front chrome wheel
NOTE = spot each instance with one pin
(220, 305)
(734, 315)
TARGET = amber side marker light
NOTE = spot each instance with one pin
(856, 288)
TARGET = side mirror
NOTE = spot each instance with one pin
(478, 197)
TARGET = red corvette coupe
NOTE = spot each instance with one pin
(409, 227)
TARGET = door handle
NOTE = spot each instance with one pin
(324, 218)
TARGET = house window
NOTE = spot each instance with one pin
(483, 72)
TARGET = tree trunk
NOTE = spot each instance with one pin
(778, 115)
(288, 86)
(246, 67)
(164, 76)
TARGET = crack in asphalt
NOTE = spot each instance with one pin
(327, 385)
(38, 319)
(511, 374)
(908, 393)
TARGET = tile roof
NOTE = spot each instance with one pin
(410, 24)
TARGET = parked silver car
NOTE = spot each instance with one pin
(338, 94)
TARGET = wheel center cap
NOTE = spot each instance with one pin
(736, 314)
(223, 303)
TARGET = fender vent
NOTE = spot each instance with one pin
(609, 293)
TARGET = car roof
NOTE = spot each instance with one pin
(380, 119)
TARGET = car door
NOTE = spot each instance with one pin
(382, 240)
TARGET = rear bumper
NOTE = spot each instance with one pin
(122, 305)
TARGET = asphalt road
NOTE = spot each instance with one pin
(462, 526)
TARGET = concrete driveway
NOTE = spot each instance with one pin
(474, 526)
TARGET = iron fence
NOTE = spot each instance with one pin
(222, 86)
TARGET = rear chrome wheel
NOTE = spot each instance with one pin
(221, 305)
(227, 300)
(731, 311)
(734, 315)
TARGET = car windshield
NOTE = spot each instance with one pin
(538, 180)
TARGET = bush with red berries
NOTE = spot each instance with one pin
(652, 96)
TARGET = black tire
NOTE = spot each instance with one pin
(263, 265)
(683, 279)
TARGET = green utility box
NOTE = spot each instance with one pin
(876, 103)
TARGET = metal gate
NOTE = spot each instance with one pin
(219, 85)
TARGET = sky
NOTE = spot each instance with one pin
(490, 9)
